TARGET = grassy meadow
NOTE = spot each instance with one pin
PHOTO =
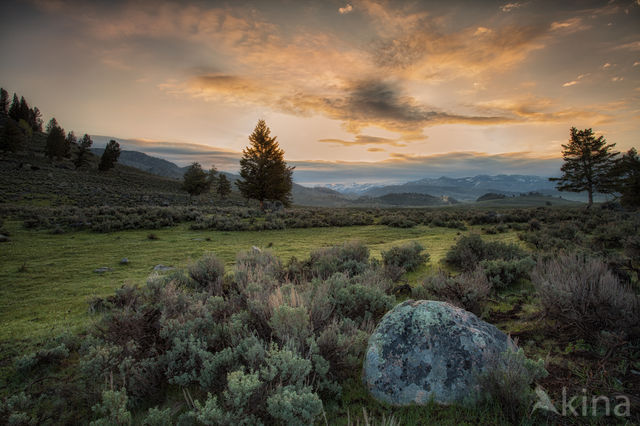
(50, 277)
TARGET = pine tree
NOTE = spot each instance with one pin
(224, 186)
(83, 150)
(24, 110)
(14, 110)
(626, 179)
(35, 119)
(12, 137)
(587, 164)
(56, 141)
(196, 181)
(4, 101)
(265, 174)
(109, 156)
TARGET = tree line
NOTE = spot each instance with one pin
(21, 121)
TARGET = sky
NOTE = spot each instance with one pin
(357, 91)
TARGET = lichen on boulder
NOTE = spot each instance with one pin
(427, 349)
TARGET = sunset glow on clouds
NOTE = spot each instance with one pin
(396, 83)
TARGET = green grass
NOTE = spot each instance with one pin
(51, 294)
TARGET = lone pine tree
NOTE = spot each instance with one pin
(224, 186)
(109, 156)
(587, 164)
(265, 174)
(195, 180)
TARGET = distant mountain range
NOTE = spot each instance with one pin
(423, 192)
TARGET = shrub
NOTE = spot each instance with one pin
(112, 410)
(357, 301)
(469, 250)
(351, 258)
(158, 417)
(503, 274)
(468, 290)
(408, 256)
(581, 293)
(208, 273)
(507, 382)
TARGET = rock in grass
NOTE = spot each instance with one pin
(427, 349)
(4, 238)
(102, 270)
(124, 261)
(161, 268)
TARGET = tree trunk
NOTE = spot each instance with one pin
(590, 198)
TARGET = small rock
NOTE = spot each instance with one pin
(161, 268)
(102, 270)
(4, 238)
(124, 261)
(256, 249)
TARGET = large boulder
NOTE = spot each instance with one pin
(427, 349)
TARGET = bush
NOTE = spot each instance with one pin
(507, 382)
(469, 250)
(503, 274)
(112, 409)
(351, 258)
(208, 273)
(408, 257)
(582, 294)
(468, 290)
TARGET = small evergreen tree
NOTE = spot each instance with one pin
(224, 186)
(626, 179)
(4, 101)
(14, 110)
(56, 141)
(265, 174)
(70, 141)
(587, 164)
(24, 110)
(35, 119)
(12, 137)
(83, 150)
(109, 156)
(196, 181)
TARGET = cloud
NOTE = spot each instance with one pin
(181, 153)
(364, 140)
(568, 26)
(617, 78)
(634, 45)
(375, 150)
(344, 10)
(576, 81)
(510, 6)
(545, 110)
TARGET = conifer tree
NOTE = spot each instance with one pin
(4, 101)
(587, 164)
(224, 186)
(14, 109)
(83, 150)
(265, 174)
(109, 156)
(626, 179)
(196, 181)
(12, 137)
(56, 141)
